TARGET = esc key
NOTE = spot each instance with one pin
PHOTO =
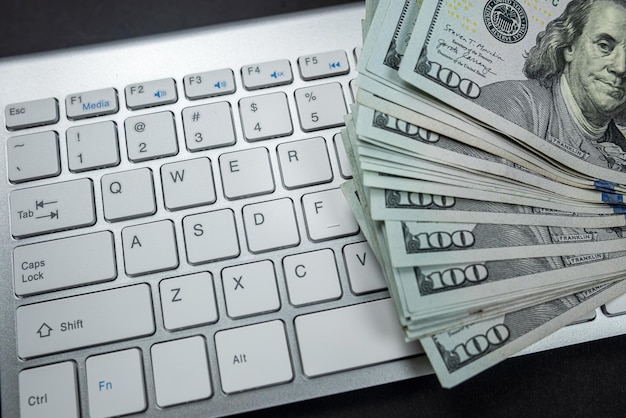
(33, 113)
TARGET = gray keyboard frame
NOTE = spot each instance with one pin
(119, 64)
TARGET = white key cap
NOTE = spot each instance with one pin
(53, 207)
(49, 391)
(253, 356)
(188, 183)
(246, 173)
(323, 64)
(312, 277)
(209, 84)
(32, 113)
(64, 263)
(364, 272)
(92, 146)
(181, 371)
(91, 103)
(266, 116)
(188, 301)
(328, 215)
(211, 236)
(266, 74)
(617, 306)
(375, 337)
(208, 126)
(115, 383)
(320, 107)
(85, 320)
(128, 194)
(151, 93)
(344, 162)
(271, 225)
(304, 162)
(151, 136)
(250, 289)
(149, 248)
(33, 156)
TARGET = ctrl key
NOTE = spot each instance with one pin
(115, 383)
(49, 391)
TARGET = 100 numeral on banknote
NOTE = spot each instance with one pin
(549, 74)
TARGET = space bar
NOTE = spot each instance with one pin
(351, 337)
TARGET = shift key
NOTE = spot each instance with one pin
(85, 320)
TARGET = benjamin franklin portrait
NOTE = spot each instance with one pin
(575, 92)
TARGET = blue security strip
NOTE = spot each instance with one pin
(619, 209)
(612, 198)
(605, 186)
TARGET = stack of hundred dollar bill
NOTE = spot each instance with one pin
(488, 150)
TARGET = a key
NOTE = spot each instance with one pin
(253, 356)
(53, 207)
(91, 103)
(151, 136)
(85, 320)
(246, 173)
(344, 162)
(328, 215)
(304, 162)
(188, 301)
(211, 236)
(115, 383)
(188, 183)
(266, 116)
(32, 113)
(128, 194)
(49, 391)
(181, 371)
(320, 107)
(250, 289)
(312, 277)
(151, 93)
(323, 64)
(364, 272)
(271, 225)
(92, 146)
(266, 74)
(62, 263)
(208, 126)
(209, 84)
(149, 248)
(375, 336)
(33, 156)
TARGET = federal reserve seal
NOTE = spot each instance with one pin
(506, 20)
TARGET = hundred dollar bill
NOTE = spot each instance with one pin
(383, 52)
(398, 205)
(438, 243)
(388, 131)
(398, 166)
(376, 180)
(459, 354)
(549, 75)
(482, 138)
(429, 291)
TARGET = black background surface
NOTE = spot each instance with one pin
(586, 380)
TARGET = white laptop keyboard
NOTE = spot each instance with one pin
(176, 241)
